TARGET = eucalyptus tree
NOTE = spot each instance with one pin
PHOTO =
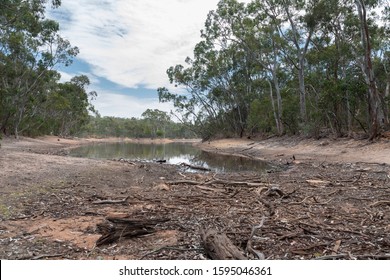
(68, 106)
(376, 103)
(296, 21)
(30, 48)
(358, 41)
(218, 79)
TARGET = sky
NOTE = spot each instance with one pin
(126, 46)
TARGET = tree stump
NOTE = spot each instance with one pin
(219, 246)
(115, 228)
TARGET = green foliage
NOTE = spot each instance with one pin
(260, 119)
(32, 101)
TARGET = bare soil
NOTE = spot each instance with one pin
(327, 199)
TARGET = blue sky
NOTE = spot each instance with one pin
(126, 46)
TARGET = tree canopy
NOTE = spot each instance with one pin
(32, 100)
(311, 67)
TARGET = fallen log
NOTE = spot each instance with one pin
(219, 246)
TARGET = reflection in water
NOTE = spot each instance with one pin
(225, 163)
(173, 153)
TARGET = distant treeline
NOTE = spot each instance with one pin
(153, 124)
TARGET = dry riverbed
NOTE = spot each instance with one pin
(327, 199)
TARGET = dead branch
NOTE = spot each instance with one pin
(249, 246)
(111, 201)
(184, 182)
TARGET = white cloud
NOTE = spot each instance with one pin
(124, 106)
(133, 42)
(65, 77)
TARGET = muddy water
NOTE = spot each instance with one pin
(173, 153)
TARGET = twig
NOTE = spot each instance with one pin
(332, 257)
(47, 256)
(324, 203)
(247, 149)
(301, 202)
(303, 251)
(111, 201)
(40, 257)
(269, 205)
(223, 182)
(290, 235)
(336, 246)
(179, 182)
(56, 196)
(334, 229)
(382, 202)
(170, 248)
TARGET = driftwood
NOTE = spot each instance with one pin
(117, 228)
(219, 247)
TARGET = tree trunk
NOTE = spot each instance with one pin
(278, 98)
(302, 90)
(375, 105)
(273, 107)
